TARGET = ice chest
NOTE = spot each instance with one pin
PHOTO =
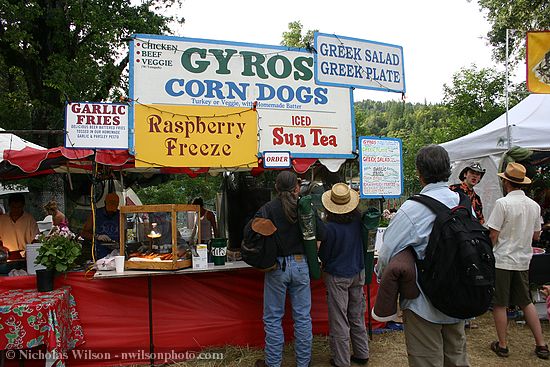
(31, 252)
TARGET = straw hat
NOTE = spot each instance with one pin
(340, 199)
(515, 172)
(474, 166)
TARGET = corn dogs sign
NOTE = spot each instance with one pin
(190, 93)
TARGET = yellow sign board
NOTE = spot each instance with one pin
(195, 136)
(538, 62)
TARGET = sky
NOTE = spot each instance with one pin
(438, 36)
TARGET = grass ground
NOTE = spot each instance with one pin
(388, 349)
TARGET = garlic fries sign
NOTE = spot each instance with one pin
(172, 139)
(346, 61)
(96, 125)
(381, 167)
(293, 113)
(538, 62)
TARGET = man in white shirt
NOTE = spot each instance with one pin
(17, 227)
(514, 224)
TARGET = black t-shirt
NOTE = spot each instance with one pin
(290, 235)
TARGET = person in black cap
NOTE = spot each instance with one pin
(470, 176)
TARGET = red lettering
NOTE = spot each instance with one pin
(277, 138)
(301, 120)
(316, 134)
(96, 109)
(324, 140)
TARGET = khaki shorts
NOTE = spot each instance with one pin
(512, 288)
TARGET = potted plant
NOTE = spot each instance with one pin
(58, 254)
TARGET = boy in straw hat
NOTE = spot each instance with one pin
(514, 224)
(341, 252)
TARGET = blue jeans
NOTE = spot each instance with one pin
(295, 279)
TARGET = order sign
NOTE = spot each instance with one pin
(276, 159)
(381, 167)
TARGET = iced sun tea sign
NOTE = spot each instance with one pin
(96, 125)
(293, 114)
(381, 167)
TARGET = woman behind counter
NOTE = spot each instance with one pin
(58, 218)
(208, 221)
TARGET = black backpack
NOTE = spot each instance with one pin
(260, 250)
(457, 273)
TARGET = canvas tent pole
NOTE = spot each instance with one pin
(508, 135)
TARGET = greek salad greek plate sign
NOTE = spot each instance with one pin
(381, 167)
(352, 62)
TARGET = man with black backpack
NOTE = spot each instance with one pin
(432, 337)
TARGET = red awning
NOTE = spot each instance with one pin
(301, 165)
(31, 161)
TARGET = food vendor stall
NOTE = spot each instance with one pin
(196, 113)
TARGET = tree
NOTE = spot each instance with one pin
(52, 51)
(476, 94)
(294, 38)
(182, 190)
(519, 15)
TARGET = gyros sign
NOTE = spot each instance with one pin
(293, 113)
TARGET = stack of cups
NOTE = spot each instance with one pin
(119, 264)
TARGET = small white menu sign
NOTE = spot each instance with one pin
(381, 167)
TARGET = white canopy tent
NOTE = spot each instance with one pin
(529, 124)
(10, 141)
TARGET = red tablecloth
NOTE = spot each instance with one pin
(30, 319)
(190, 312)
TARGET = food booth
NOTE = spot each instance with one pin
(210, 106)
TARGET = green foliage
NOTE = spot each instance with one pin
(476, 94)
(474, 99)
(294, 37)
(58, 251)
(52, 51)
(520, 15)
(181, 190)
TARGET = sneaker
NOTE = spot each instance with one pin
(503, 352)
(542, 351)
(361, 361)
